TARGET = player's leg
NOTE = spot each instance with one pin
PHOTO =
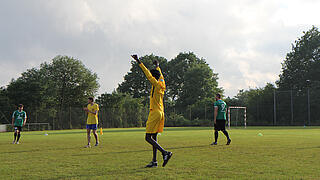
(223, 128)
(154, 162)
(227, 135)
(154, 143)
(94, 131)
(15, 135)
(154, 137)
(216, 133)
(155, 124)
(18, 134)
(88, 135)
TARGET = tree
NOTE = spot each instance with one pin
(190, 79)
(121, 110)
(5, 107)
(53, 87)
(302, 63)
(177, 68)
(135, 83)
(259, 103)
(30, 89)
(200, 83)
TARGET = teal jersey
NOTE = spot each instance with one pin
(19, 117)
(222, 109)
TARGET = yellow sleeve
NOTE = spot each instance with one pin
(97, 107)
(161, 75)
(149, 76)
(161, 83)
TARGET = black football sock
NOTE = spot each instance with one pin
(154, 159)
(216, 134)
(18, 137)
(226, 134)
(154, 143)
(15, 136)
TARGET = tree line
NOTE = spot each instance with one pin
(56, 92)
(295, 97)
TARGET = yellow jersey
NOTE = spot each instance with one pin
(157, 90)
(92, 118)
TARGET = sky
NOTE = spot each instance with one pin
(244, 41)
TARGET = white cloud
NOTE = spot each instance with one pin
(243, 41)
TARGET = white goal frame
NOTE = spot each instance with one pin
(237, 107)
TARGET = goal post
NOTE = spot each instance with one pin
(237, 107)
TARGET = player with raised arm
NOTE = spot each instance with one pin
(92, 110)
(19, 119)
(220, 118)
(155, 122)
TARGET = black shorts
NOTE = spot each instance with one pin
(18, 128)
(220, 125)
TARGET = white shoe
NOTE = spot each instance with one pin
(17, 142)
(13, 142)
(87, 146)
(97, 144)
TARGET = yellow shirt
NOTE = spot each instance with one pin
(157, 90)
(92, 119)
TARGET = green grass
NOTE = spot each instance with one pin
(281, 153)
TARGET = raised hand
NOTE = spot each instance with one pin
(135, 57)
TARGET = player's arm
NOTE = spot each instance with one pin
(215, 114)
(149, 76)
(156, 63)
(95, 111)
(161, 78)
(25, 119)
(92, 112)
(12, 119)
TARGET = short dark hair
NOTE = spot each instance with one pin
(91, 98)
(155, 73)
(20, 105)
(218, 95)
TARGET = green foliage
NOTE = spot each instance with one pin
(71, 81)
(302, 63)
(189, 80)
(259, 103)
(121, 110)
(53, 88)
(135, 82)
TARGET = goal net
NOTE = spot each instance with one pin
(237, 116)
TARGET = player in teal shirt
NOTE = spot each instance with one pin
(220, 109)
(19, 118)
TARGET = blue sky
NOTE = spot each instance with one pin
(243, 41)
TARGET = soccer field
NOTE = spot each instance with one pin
(281, 153)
